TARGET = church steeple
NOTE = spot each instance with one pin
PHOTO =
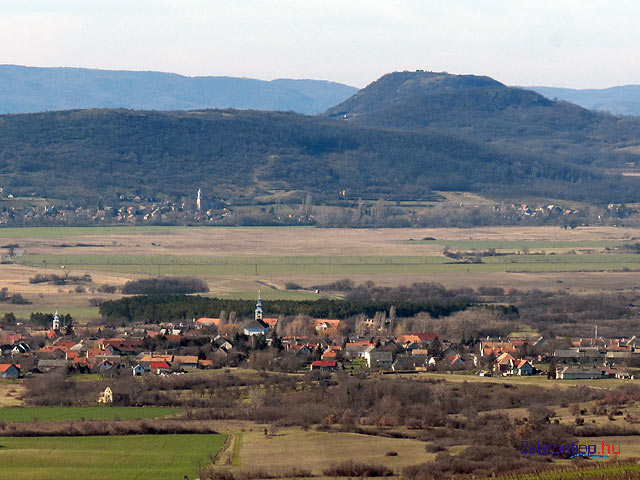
(258, 314)
(56, 321)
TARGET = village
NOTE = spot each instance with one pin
(207, 343)
(144, 210)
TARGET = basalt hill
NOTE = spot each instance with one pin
(401, 138)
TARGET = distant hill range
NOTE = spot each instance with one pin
(31, 89)
(623, 100)
(401, 138)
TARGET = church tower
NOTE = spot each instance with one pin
(56, 322)
(258, 314)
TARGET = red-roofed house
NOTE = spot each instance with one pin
(426, 338)
(104, 365)
(72, 356)
(10, 338)
(323, 324)
(332, 353)
(160, 367)
(9, 370)
(359, 343)
(328, 365)
(496, 348)
(52, 348)
(419, 338)
(207, 322)
(94, 352)
(503, 363)
(405, 340)
(522, 368)
(186, 361)
(156, 357)
(206, 363)
(454, 360)
(420, 351)
(272, 322)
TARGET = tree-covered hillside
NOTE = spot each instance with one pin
(238, 155)
(511, 119)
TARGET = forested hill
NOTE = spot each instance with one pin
(621, 100)
(239, 156)
(31, 89)
(423, 99)
(512, 119)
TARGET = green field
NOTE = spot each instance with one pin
(106, 458)
(78, 313)
(337, 265)
(51, 414)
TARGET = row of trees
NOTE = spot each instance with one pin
(165, 308)
(165, 286)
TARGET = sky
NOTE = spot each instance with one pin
(566, 43)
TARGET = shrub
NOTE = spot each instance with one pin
(210, 474)
(107, 289)
(165, 286)
(254, 473)
(434, 448)
(18, 299)
(356, 469)
(343, 285)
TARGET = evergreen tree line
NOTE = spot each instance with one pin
(166, 308)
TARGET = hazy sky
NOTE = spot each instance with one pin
(567, 43)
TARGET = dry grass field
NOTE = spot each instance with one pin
(290, 241)
(316, 451)
(537, 380)
(238, 261)
(11, 394)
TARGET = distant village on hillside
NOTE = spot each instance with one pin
(141, 210)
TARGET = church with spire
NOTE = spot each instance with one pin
(56, 322)
(258, 326)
